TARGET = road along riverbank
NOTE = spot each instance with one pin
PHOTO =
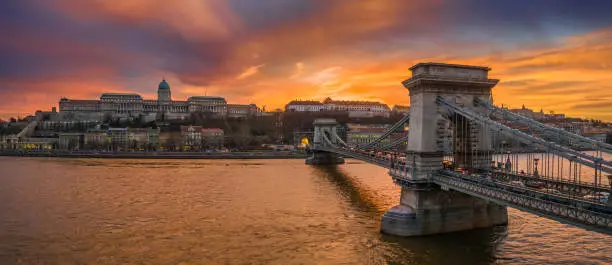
(163, 155)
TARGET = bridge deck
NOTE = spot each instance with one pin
(567, 205)
(562, 184)
(402, 170)
(582, 214)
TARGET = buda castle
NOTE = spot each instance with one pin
(133, 105)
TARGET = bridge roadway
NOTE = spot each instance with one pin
(572, 211)
(588, 214)
(401, 171)
(567, 185)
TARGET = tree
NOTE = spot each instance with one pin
(93, 145)
(151, 147)
(173, 143)
(133, 144)
(107, 118)
(204, 144)
(242, 138)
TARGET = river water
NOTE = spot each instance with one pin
(121, 211)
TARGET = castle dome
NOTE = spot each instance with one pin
(164, 85)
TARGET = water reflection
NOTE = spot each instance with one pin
(467, 247)
(479, 246)
(351, 189)
(130, 211)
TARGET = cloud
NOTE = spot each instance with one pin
(299, 70)
(250, 71)
(550, 55)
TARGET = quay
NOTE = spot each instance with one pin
(163, 155)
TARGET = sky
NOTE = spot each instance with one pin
(550, 54)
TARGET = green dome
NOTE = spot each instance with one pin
(164, 85)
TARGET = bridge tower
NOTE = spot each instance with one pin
(325, 131)
(426, 209)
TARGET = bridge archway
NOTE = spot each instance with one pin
(462, 85)
(324, 139)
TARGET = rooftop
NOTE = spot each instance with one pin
(120, 94)
(205, 98)
(450, 65)
(352, 102)
(304, 102)
(164, 85)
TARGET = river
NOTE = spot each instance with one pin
(129, 211)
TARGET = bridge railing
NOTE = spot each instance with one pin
(583, 214)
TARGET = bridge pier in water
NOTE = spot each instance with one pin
(424, 207)
(435, 211)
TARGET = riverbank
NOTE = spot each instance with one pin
(164, 155)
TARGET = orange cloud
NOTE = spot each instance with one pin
(342, 49)
(193, 19)
(250, 71)
(570, 78)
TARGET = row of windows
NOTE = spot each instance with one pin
(349, 108)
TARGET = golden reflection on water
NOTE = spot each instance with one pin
(118, 211)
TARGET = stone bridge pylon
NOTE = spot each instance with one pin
(324, 130)
(431, 210)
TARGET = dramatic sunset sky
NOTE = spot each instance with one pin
(552, 54)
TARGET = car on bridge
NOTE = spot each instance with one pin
(535, 184)
(552, 191)
(517, 183)
(601, 197)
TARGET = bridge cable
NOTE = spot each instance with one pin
(547, 129)
(392, 129)
(528, 139)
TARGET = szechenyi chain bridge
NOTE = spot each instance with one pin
(471, 187)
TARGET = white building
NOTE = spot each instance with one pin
(133, 105)
(304, 106)
(354, 108)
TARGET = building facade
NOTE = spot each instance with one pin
(213, 137)
(354, 108)
(143, 138)
(133, 105)
(400, 109)
(118, 138)
(197, 138)
(305, 106)
(70, 141)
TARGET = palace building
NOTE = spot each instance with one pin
(133, 105)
